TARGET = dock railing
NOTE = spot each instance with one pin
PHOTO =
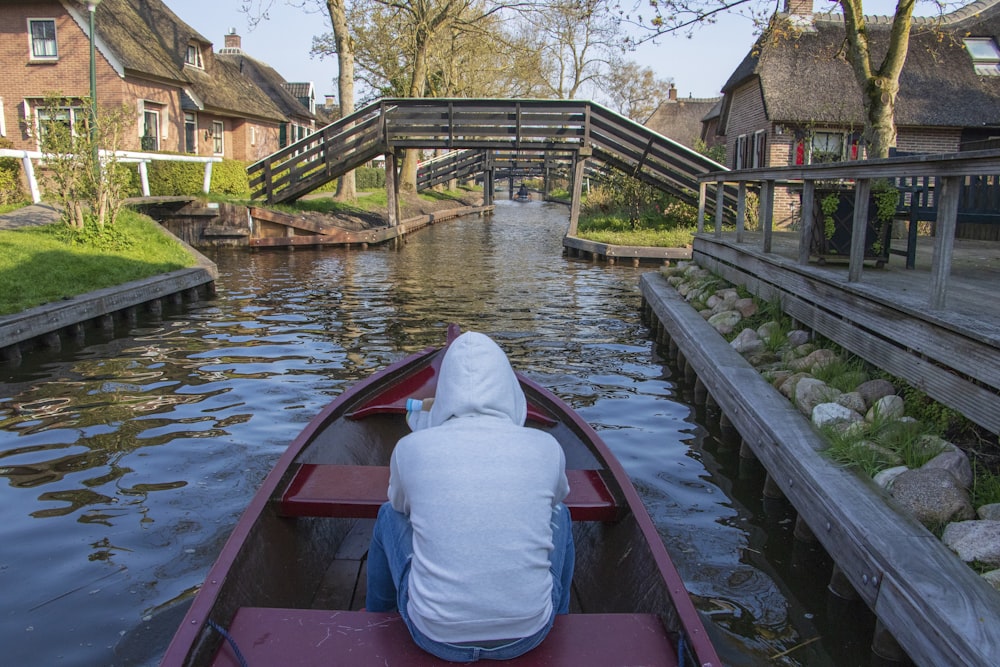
(949, 174)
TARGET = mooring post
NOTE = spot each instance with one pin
(392, 187)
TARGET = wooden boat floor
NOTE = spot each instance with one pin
(313, 637)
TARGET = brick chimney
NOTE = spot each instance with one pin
(233, 41)
(799, 7)
(672, 93)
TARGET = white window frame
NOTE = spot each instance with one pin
(44, 57)
(76, 115)
(195, 61)
(147, 113)
(3, 120)
(191, 118)
(759, 148)
(843, 136)
(985, 55)
(218, 137)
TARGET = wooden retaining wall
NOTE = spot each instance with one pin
(577, 247)
(50, 324)
(939, 610)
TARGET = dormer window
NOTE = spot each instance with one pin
(193, 56)
(985, 55)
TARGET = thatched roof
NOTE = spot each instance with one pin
(805, 77)
(681, 119)
(150, 41)
(268, 80)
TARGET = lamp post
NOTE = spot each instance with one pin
(92, 7)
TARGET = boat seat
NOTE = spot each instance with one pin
(319, 638)
(330, 490)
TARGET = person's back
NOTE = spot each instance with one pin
(482, 494)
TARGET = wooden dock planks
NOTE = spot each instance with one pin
(937, 608)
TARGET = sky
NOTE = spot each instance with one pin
(699, 66)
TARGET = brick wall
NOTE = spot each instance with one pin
(928, 140)
(746, 116)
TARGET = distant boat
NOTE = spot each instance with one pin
(288, 587)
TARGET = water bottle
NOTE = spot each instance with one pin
(418, 413)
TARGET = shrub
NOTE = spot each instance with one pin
(10, 177)
(176, 178)
(229, 177)
(369, 178)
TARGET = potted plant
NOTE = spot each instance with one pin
(833, 222)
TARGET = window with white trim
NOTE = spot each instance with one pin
(985, 55)
(150, 129)
(190, 132)
(73, 118)
(42, 39)
(193, 56)
(218, 131)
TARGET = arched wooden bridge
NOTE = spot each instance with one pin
(481, 136)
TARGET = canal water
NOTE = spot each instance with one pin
(127, 460)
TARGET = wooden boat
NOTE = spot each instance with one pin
(288, 587)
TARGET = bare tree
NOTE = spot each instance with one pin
(632, 90)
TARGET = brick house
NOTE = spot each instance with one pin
(186, 98)
(794, 100)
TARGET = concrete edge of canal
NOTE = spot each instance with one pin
(936, 608)
(49, 324)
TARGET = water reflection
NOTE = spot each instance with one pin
(128, 460)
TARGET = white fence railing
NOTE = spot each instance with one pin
(141, 159)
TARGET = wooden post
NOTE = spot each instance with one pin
(766, 212)
(720, 203)
(806, 221)
(944, 240)
(392, 188)
(702, 194)
(859, 228)
(207, 182)
(579, 165)
(144, 177)
(741, 211)
(29, 173)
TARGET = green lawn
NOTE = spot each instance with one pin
(41, 265)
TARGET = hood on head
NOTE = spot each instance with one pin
(476, 378)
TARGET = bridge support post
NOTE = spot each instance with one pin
(392, 188)
(579, 165)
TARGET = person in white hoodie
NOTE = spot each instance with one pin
(475, 546)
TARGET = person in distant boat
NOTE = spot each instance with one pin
(522, 192)
(475, 546)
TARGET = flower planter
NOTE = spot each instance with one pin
(833, 228)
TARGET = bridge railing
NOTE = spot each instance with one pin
(580, 130)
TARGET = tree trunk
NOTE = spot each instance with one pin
(346, 188)
(418, 84)
(879, 85)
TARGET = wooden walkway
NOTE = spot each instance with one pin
(951, 353)
(938, 609)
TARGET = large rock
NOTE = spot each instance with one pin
(725, 322)
(814, 360)
(798, 337)
(832, 414)
(747, 307)
(990, 512)
(874, 390)
(956, 462)
(933, 497)
(747, 342)
(974, 541)
(885, 478)
(791, 383)
(810, 392)
(887, 408)
(853, 400)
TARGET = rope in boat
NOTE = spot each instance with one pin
(232, 642)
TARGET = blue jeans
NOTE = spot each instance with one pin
(389, 571)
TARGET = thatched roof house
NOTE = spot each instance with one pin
(685, 120)
(794, 99)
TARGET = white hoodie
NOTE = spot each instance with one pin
(479, 488)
